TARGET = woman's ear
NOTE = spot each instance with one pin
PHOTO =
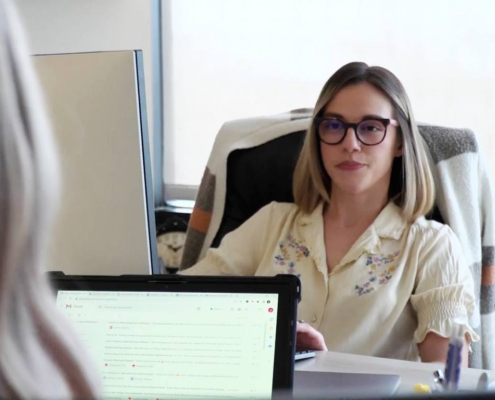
(399, 151)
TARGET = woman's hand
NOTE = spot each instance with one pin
(309, 338)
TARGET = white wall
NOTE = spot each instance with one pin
(234, 59)
(71, 26)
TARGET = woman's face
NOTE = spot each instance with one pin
(353, 167)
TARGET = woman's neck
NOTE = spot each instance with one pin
(348, 211)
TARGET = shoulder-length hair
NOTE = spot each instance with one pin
(40, 354)
(412, 186)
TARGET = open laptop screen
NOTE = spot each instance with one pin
(159, 345)
(178, 344)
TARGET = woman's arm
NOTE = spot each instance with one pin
(241, 250)
(443, 297)
(434, 349)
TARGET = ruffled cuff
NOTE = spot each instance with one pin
(438, 310)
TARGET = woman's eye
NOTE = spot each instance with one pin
(371, 126)
(334, 125)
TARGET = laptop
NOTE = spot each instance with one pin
(173, 337)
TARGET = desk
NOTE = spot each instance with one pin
(411, 372)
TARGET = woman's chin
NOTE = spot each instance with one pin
(350, 188)
(354, 191)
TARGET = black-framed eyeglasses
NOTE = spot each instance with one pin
(370, 131)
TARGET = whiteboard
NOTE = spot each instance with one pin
(97, 106)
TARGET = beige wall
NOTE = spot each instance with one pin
(73, 26)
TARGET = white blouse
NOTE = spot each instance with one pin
(398, 282)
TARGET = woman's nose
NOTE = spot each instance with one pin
(351, 142)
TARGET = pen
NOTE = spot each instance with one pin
(454, 360)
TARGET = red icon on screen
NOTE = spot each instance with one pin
(270, 309)
(133, 365)
(111, 327)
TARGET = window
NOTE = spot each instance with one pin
(229, 59)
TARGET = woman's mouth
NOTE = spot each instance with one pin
(350, 166)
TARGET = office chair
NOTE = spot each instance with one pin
(252, 164)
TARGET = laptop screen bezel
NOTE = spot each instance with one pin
(287, 287)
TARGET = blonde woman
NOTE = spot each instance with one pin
(40, 357)
(378, 278)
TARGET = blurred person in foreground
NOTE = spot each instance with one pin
(40, 354)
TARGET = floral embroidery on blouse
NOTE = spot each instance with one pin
(380, 272)
(291, 251)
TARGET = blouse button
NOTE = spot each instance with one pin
(314, 319)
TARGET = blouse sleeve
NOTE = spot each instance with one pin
(444, 287)
(240, 251)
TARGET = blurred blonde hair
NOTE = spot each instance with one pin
(411, 185)
(40, 355)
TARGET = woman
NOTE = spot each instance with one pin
(378, 278)
(40, 356)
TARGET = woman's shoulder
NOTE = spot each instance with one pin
(272, 218)
(278, 210)
(428, 230)
(423, 223)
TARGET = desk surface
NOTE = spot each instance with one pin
(411, 372)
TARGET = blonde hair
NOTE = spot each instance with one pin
(40, 355)
(411, 185)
